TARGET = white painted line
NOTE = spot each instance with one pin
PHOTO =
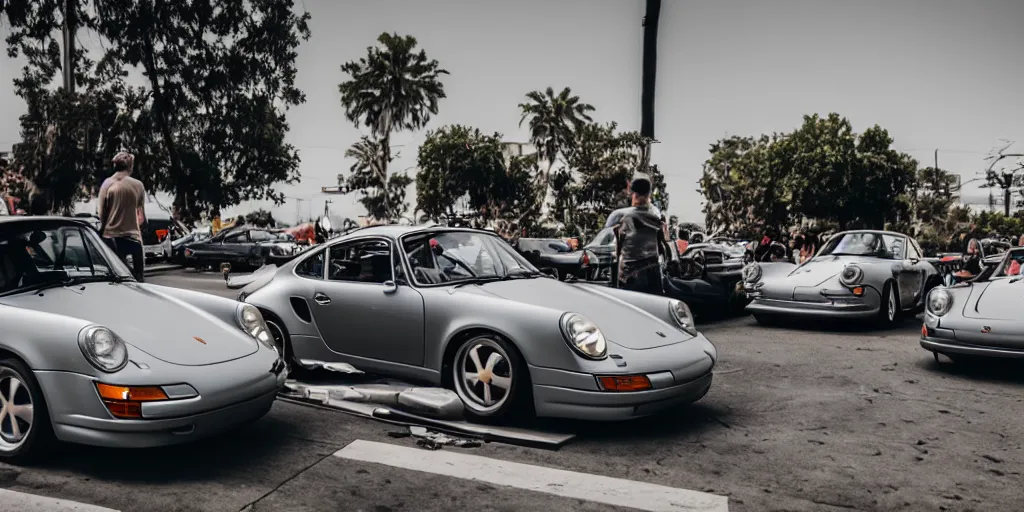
(11, 501)
(593, 488)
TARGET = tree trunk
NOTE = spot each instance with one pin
(650, 64)
(1006, 201)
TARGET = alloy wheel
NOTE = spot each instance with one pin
(483, 375)
(892, 304)
(16, 411)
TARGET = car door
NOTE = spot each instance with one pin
(362, 311)
(922, 268)
(910, 276)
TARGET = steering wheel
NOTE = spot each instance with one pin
(693, 266)
(459, 263)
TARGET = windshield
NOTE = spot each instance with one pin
(604, 237)
(876, 245)
(462, 256)
(1011, 265)
(33, 255)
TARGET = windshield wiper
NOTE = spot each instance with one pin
(523, 274)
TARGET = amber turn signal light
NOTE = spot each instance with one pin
(624, 382)
(126, 402)
(858, 291)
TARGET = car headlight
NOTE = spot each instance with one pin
(752, 273)
(851, 275)
(583, 336)
(251, 321)
(939, 302)
(104, 349)
(684, 318)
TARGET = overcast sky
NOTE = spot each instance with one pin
(938, 74)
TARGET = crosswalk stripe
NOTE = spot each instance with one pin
(569, 484)
(11, 501)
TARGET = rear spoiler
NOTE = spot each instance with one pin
(234, 282)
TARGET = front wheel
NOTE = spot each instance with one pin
(25, 430)
(491, 379)
(888, 311)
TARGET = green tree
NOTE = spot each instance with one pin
(219, 76)
(457, 161)
(369, 172)
(746, 187)
(393, 88)
(554, 121)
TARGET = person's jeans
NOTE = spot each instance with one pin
(126, 246)
(642, 276)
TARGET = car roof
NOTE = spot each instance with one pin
(15, 220)
(395, 231)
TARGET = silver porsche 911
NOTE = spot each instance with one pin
(88, 355)
(461, 308)
(981, 317)
(855, 275)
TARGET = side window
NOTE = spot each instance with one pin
(312, 267)
(364, 261)
(912, 251)
(236, 238)
(260, 236)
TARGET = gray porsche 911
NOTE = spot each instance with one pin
(855, 275)
(461, 308)
(981, 317)
(88, 355)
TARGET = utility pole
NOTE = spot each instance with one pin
(70, 21)
(936, 159)
(651, 18)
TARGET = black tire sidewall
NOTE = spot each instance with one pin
(883, 311)
(520, 402)
(40, 439)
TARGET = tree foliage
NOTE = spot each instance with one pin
(393, 88)
(457, 161)
(822, 171)
(209, 126)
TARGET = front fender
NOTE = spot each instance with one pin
(655, 305)
(224, 309)
(44, 341)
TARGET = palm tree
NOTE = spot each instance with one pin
(554, 121)
(383, 194)
(393, 88)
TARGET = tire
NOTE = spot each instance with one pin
(34, 437)
(513, 401)
(889, 310)
(281, 340)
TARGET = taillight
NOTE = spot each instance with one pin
(586, 259)
(189, 252)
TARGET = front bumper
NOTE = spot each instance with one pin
(834, 304)
(949, 346)
(79, 416)
(680, 374)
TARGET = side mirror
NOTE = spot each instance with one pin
(390, 287)
(914, 261)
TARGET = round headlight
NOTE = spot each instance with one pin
(251, 321)
(851, 275)
(939, 302)
(104, 349)
(584, 337)
(752, 273)
(684, 318)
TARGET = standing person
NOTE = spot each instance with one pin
(640, 240)
(122, 202)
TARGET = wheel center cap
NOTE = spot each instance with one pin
(485, 376)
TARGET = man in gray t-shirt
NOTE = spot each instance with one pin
(640, 240)
(122, 202)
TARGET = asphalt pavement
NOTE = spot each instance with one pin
(824, 417)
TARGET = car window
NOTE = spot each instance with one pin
(912, 252)
(363, 261)
(312, 267)
(605, 237)
(235, 238)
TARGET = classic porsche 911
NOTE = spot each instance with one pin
(856, 274)
(88, 355)
(981, 317)
(461, 308)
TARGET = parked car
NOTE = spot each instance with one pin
(241, 247)
(158, 235)
(88, 355)
(856, 274)
(980, 317)
(461, 308)
(556, 256)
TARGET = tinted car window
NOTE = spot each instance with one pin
(312, 267)
(235, 238)
(364, 261)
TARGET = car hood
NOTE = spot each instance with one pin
(621, 322)
(996, 300)
(819, 270)
(162, 326)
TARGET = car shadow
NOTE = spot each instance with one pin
(251, 446)
(684, 421)
(901, 326)
(992, 370)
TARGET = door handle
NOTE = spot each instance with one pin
(322, 299)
